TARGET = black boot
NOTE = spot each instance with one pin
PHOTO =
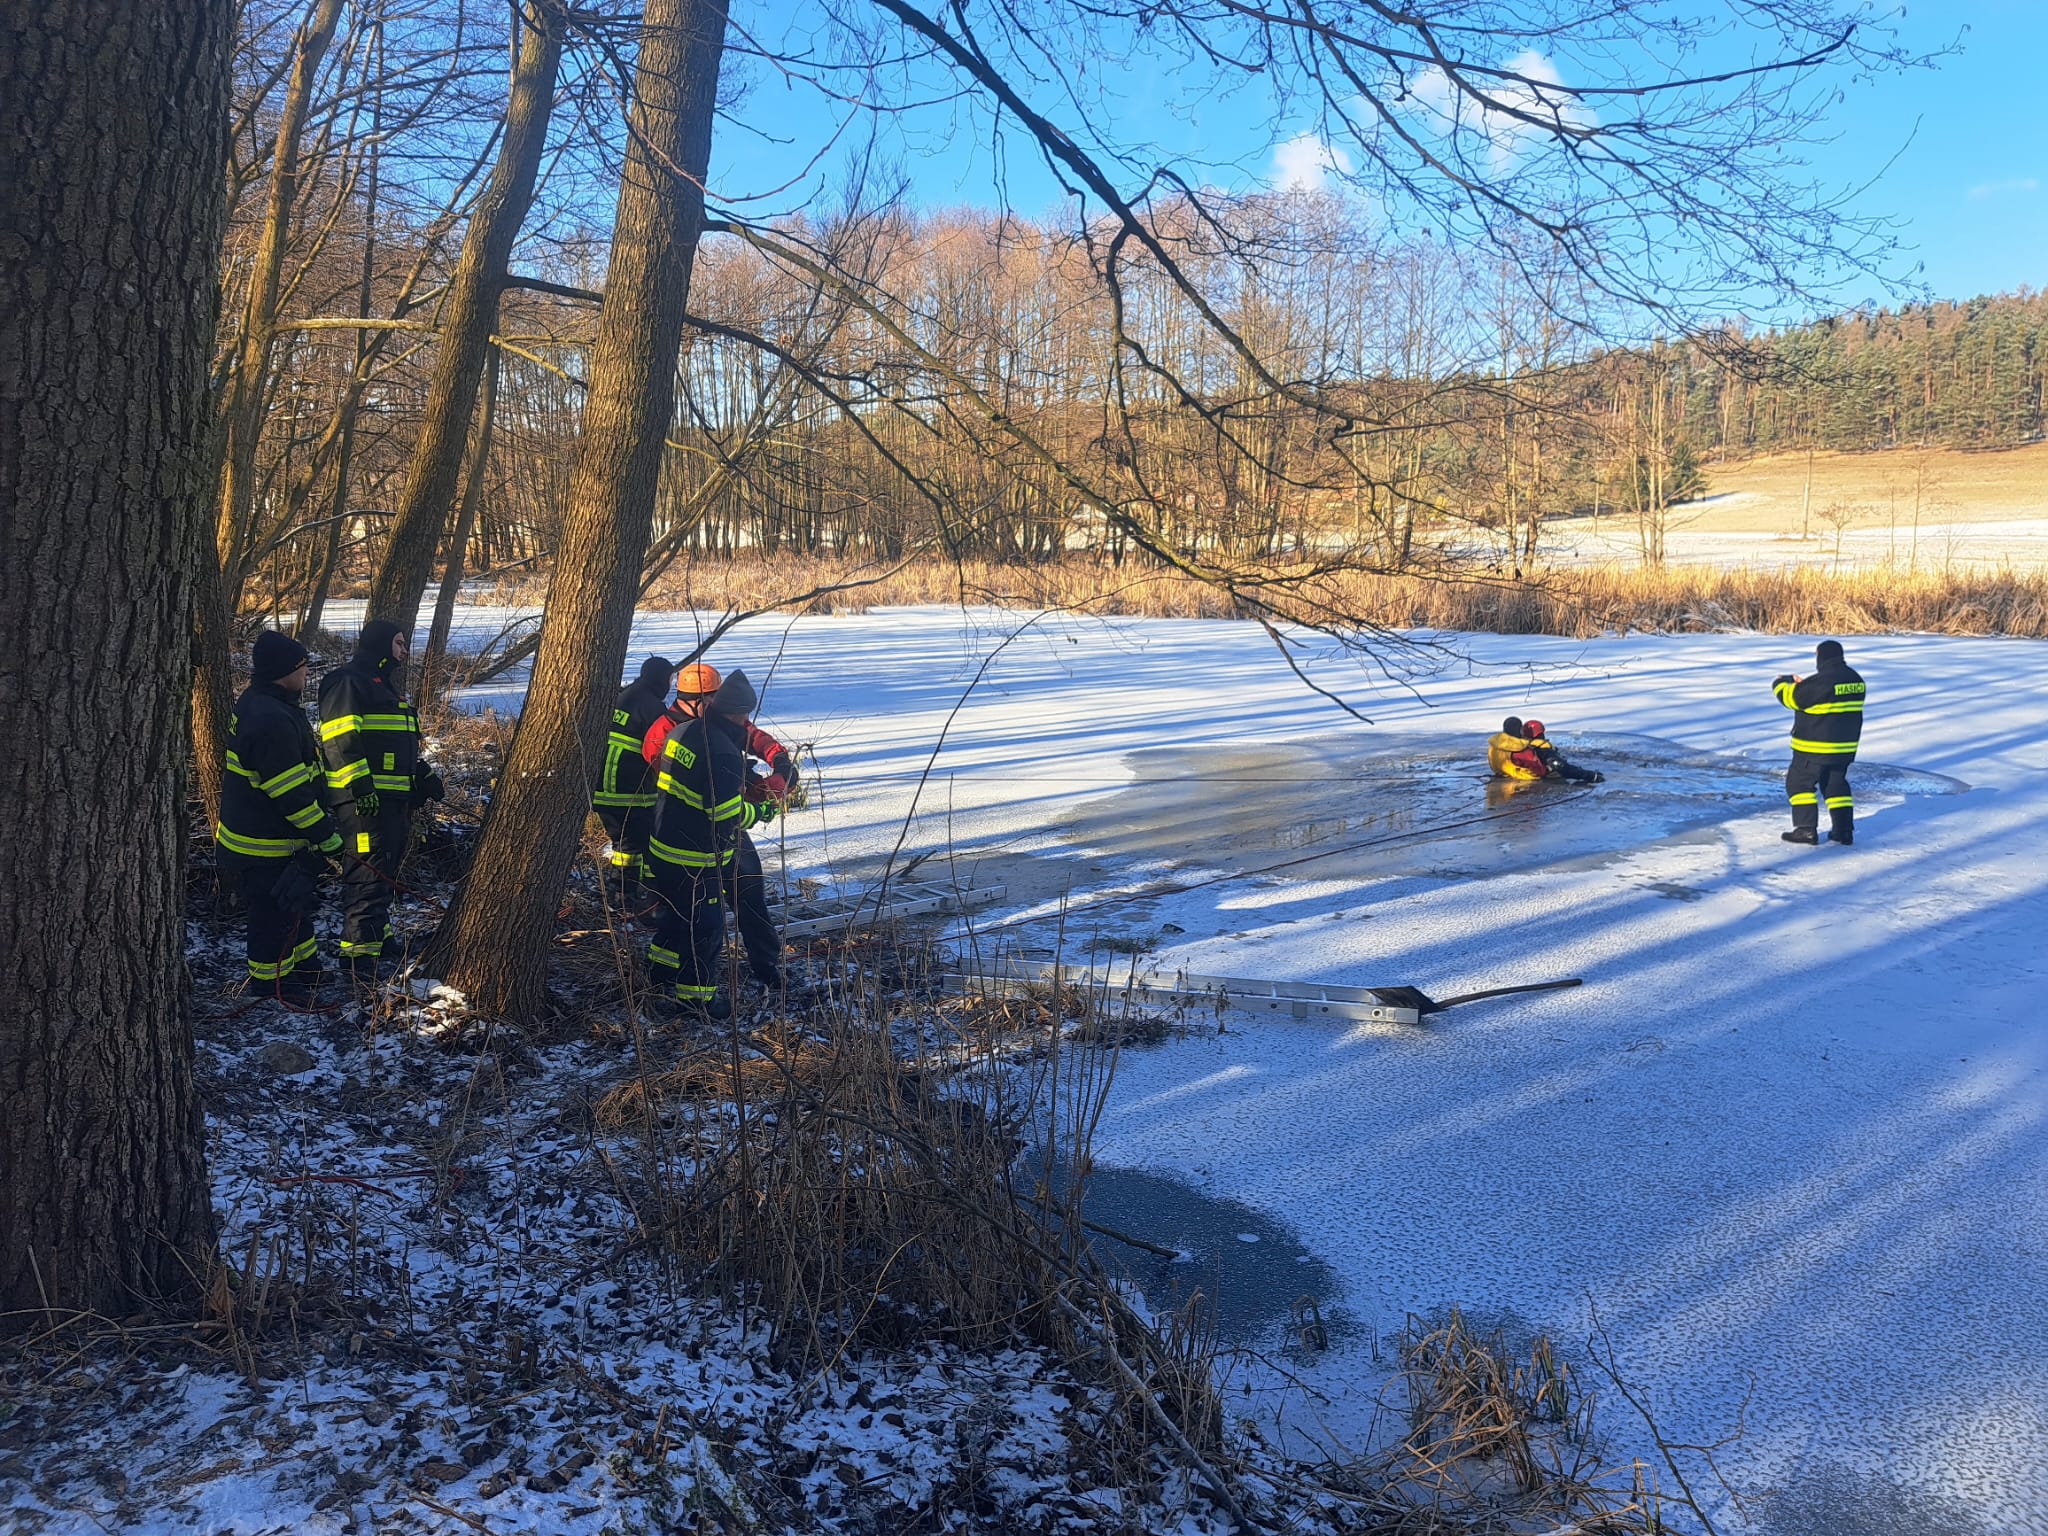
(1842, 836)
(1806, 835)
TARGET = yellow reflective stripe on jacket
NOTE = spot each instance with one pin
(392, 781)
(1838, 707)
(1824, 748)
(305, 815)
(257, 847)
(279, 785)
(235, 766)
(669, 784)
(341, 778)
(340, 725)
(688, 858)
(624, 742)
(612, 798)
(736, 806)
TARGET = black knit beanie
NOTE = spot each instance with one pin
(1828, 653)
(275, 655)
(1512, 726)
(735, 697)
(655, 672)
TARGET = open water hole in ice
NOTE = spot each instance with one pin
(1392, 806)
(1381, 807)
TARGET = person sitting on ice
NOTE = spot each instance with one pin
(1522, 750)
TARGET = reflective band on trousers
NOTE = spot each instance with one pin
(283, 968)
(656, 955)
(686, 992)
(1840, 802)
(1809, 798)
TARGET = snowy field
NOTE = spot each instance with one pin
(1788, 1143)
(1694, 537)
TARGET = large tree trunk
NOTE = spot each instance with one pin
(494, 945)
(432, 665)
(249, 382)
(113, 126)
(467, 320)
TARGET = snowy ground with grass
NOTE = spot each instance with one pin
(1785, 1147)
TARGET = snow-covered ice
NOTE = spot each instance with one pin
(1787, 1141)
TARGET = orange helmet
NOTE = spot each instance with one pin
(699, 677)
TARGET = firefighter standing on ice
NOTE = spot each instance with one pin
(624, 797)
(1827, 722)
(701, 809)
(273, 827)
(370, 736)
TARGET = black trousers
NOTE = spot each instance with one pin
(689, 932)
(1816, 779)
(758, 933)
(280, 942)
(372, 849)
(629, 827)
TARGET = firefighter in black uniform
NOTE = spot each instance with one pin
(274, 836)
(624, 797)
(701, 808)
(370, 737)
(1827, 722)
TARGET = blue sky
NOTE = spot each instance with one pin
(1959, 152)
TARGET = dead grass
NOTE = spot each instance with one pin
(1574, 602)
(1764, 494)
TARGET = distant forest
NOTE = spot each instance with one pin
(1971, 374)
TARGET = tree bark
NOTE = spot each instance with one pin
(248, 382)
(431, 665)
(494, 944)
(113, 124)
(467, 321)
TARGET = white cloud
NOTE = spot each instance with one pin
(1503, 134)
(1304, 163)
(2005, 188)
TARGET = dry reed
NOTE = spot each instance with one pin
(1578, 602)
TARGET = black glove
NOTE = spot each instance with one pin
(297, 888)
(368, 803)
(1782, 679)
(427, 785)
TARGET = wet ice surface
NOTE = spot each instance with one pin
(1383, 805)
(1791, 1137)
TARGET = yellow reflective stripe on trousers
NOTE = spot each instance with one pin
(1840, 802)
(258, 847)
(1806, 799)
(660, 956)
(1824, 748)
(688, 992)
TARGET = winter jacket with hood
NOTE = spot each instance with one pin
(623, 780)
(270, 800)
(1827, 719)
(369, 734)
